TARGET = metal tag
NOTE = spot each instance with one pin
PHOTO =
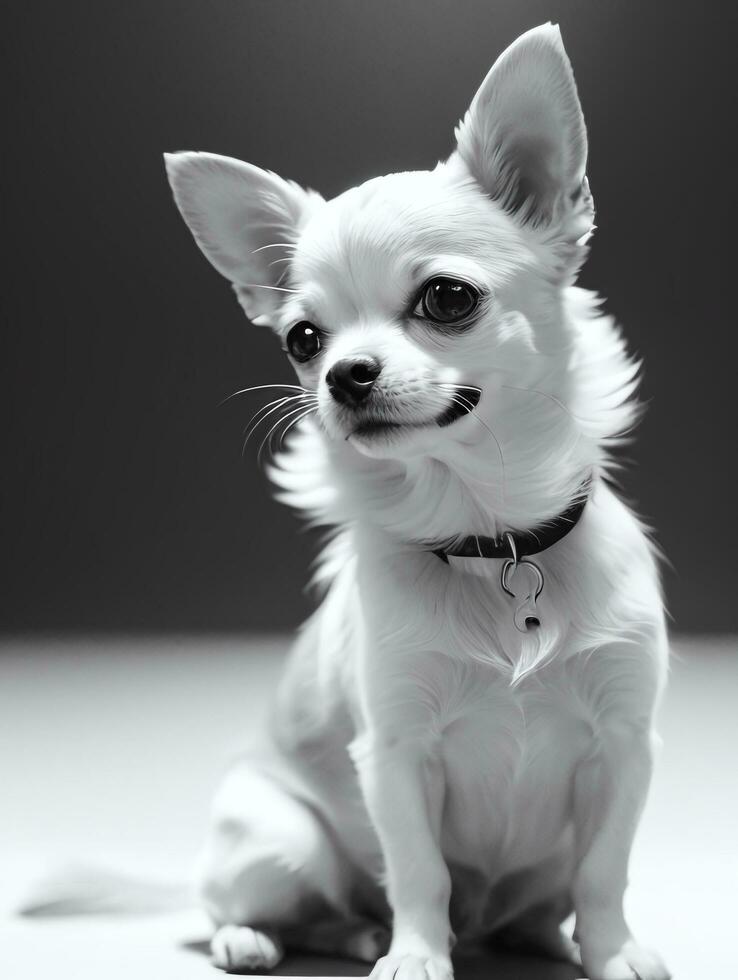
(522, 580)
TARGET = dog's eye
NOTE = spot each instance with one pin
(303, 341)
(447, 300)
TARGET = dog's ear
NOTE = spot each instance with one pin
(238, 214)
(524, 140)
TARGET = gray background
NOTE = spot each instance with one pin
(126, 503)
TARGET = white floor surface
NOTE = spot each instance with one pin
(110, 750)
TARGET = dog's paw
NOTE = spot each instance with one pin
(630, 962)
(409, 966)
(240, 949)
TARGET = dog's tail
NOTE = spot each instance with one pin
(80, 889)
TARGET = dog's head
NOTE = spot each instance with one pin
(411, 303)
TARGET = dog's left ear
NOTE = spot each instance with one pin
(524, 140)
(245, 220)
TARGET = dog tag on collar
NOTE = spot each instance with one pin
(522, 580)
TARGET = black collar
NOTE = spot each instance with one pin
(519, 544)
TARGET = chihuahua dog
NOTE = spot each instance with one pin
(462, 739)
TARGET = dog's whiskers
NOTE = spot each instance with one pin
(274, 245)
(284, 258)
(293, 412)
(265, 410)
(545, 394)
(243, 391)
(291, 425)
(453, 386)
(287, 403)
(463, 402)
(279, 289)
(469, 405)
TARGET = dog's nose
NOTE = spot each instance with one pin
(351, 380)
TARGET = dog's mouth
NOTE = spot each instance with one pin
(464, 399)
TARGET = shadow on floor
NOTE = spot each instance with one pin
(474, 964)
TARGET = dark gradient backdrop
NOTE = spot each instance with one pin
(126, 501)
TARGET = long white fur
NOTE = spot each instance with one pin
(419, 739)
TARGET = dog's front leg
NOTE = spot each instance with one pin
(402, 781)
(610, 791)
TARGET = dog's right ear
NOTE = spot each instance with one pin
(524, 140)
(238, 215)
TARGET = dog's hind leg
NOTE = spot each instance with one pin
(539, 931)
(531, 905)
(355, 938)
(268, 866)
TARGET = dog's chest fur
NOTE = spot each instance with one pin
(432, 647)
(508, 753)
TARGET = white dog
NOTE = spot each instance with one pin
(462, 742)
